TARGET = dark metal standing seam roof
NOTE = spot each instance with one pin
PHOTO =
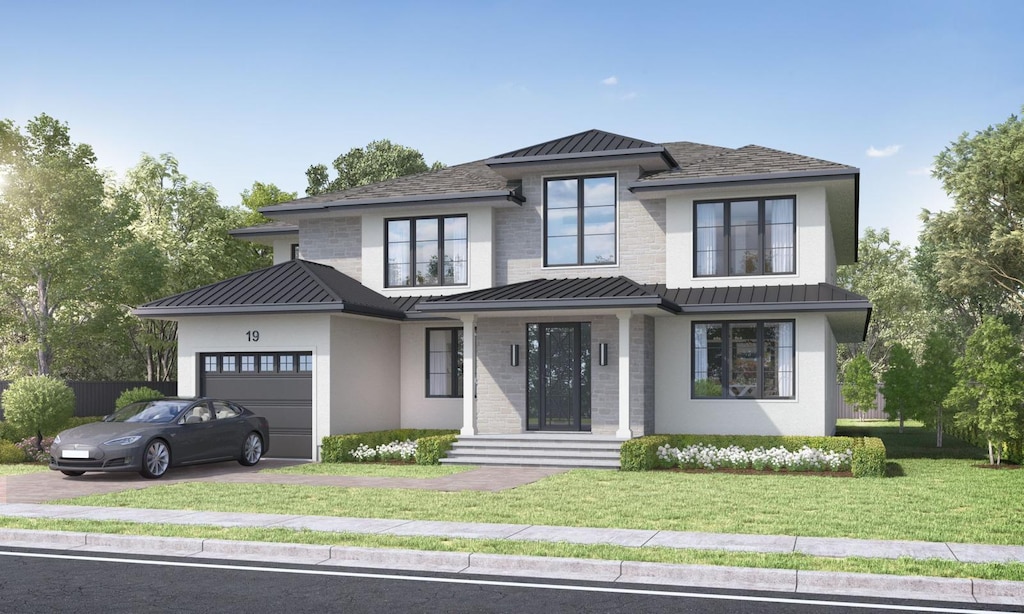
(582, 142)
(599, 292)
(809, 297)
(296, 286)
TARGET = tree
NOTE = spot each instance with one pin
(56, 235)
(987, 395)
(883, 273)
(379, 161)
(262, 195)
(983, 234)
(860, 388)
(179, 241)
(900, 384)
(38, 404)
(936, 380)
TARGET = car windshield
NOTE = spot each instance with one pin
(148, 411)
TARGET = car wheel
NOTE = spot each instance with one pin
(252, 449)
(156, 459)
(73, 474)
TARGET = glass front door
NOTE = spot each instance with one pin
(558, 376)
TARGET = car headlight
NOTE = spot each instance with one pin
(123, 441)
(56, 439)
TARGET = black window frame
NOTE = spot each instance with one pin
(727, 234)
(456, 370)
(295, 251)
(580, 221)
(726, 364)
(412, 250)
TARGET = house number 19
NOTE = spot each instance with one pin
(252, 335)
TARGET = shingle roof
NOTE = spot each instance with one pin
(581, 142)
(295, 286)
(269, 228)
(746, 161)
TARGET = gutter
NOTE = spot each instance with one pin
(510, 195)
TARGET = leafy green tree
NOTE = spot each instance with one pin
(262, 195)
(379, 161)
(936, 380)
(860, 388)
(982, 236)
(900, 384)
(988, 396)
(37, 404)
(179, 241)
(56, 236)
(883, 273)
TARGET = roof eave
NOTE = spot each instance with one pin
(539, 304)
(684, 183)
(512, 196)
(293, 308)
(649, 158)
(803, 306)
(251, 233)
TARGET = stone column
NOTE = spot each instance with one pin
(468, 375)
(623, 430)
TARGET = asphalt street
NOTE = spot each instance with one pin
(53, 581)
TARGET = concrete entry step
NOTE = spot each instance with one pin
(537, 449)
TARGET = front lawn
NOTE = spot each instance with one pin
(932, 499)
(22, 468)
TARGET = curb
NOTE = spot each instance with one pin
(632, 572)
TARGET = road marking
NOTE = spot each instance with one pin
(501, 583)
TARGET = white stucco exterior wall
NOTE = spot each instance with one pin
(364, 375)
(813, 236)
(418, 410)
(278, 333)
(283, 249)
(480, 230)
(807, 414)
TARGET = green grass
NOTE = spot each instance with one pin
(22, 468)
(375, 470)
(932, 499)
(903, 566)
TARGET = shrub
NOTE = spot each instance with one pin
(74, 421)
(339, 448)
(868, 458)
(641, 454)
(134, 395)
(38, 404)
(36, 453)
(430, 450)
(10, 453)
(8, 432)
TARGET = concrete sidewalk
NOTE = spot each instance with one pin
(946, 589)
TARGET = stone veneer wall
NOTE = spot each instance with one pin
(519, 237)
(336, 242)
(501, 388)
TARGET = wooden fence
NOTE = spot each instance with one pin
(845, 411)
(97, 398)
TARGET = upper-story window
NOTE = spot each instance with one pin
(579, 221)
(749, 236)
(427, 251)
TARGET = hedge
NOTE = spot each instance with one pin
(430, 450)
(10, 453)
(1012, 452)
(641, 454)
(336, 448)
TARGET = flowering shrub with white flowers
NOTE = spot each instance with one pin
(702, 456)
(395, 450)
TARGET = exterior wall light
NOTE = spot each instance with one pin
(514, 354)
(602, 354)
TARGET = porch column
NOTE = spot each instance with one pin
(468, 375)
(623, 430)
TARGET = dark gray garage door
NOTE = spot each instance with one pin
(277, 385)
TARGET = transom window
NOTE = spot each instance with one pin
(275, 362)
(751, 360)
(444, 362)
(753, 236)
(579, 221)
(427, 251)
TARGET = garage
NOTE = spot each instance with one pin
(276, 385)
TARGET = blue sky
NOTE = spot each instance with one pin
(260, 90)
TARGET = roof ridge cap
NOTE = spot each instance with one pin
(307, 266)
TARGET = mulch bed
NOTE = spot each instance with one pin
(1005, 466)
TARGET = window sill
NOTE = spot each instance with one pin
(563, 267)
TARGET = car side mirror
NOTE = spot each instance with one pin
(193, 420)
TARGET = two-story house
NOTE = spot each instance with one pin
(595, 286)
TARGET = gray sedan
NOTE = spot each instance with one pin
(152, 436)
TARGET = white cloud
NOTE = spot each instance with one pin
(612, 80)
(885, 152)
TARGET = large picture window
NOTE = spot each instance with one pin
(444, 362)
(754, 236)
(427, 251)
(750, 360)
(579, 221)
